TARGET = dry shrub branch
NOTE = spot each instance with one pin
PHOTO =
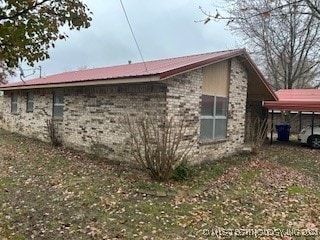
(53, 131)
(258, 134)
(159, 145)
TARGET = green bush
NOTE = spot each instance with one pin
(182, 173)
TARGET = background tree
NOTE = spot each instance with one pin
(310, 7)
(285, 41)
(28, 28)
(314, 7)
(4, 73)
(283, 37)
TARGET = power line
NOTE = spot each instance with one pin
(134, 37)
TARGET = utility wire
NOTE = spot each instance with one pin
(134, 37)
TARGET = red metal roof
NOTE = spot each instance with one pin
(296, 100)
(161, 68)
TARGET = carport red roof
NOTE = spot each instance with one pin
(160, 69)
(296, 100)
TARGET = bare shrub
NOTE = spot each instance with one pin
(1, 118)
(159, 145)
(53, 131)
(258, 134)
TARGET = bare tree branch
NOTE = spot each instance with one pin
(284, 42)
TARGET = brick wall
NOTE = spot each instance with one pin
(184, 101)
(28, 123)
(92, 114)
(183, 104)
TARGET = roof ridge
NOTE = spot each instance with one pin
(186, 57)
(193, 55)
(156, 60)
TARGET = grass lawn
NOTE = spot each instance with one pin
(54, 193)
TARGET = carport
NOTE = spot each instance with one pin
(301, 100)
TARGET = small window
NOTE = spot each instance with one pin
(30, 98)
(58, 104)
(14, 103)
(213, 119)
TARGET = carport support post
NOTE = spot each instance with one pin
(312, 124)
(300, 121)
(271, 135)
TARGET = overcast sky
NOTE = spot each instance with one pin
(163, 29)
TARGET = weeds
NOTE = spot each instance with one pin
(183, 172)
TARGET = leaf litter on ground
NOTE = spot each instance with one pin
(52, 193)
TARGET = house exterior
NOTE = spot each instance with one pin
(213, 92)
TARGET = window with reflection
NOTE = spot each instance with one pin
(213, 119)
(58, 104)
(14, 103)
(30, 102)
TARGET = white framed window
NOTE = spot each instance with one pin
(213, 119)
(14, 103)
(30, 101)
(58, 104)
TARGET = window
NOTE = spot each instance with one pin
(29, 102)
(14, 103)
(58, 104)
(213, 119)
